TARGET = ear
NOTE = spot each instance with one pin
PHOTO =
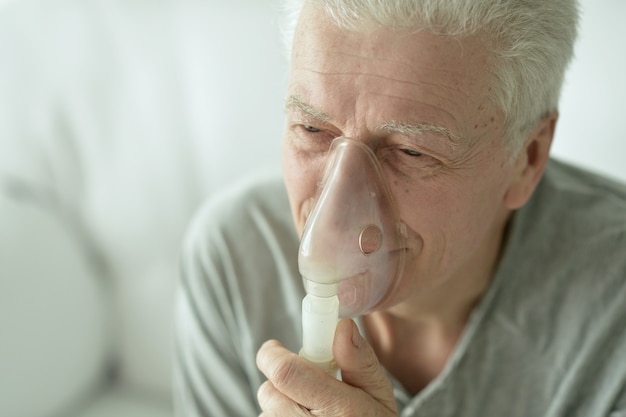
(531, 162)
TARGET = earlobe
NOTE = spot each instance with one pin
(531, 163)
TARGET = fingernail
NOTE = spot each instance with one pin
(357, 339)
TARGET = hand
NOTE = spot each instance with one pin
(297, 388)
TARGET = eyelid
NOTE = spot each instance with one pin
(427, 143)
(412, 152)
(298, 117)
(304, 120)
(311, 128)
(406, 147)
(436, 139)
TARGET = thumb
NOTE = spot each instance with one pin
(360, 366)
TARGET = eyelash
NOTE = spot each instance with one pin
(412, 152)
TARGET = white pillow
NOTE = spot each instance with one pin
(53, 318)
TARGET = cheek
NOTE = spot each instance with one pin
(450, 217)
(301, 175)
(459, 199)
(426, 205)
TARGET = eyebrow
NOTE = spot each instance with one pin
(388, 127)
(419, 128)
(297, 103)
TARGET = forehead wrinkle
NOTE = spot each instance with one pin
(296, 102)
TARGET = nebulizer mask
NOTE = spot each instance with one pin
(352, 248)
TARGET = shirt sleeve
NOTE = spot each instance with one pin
(619, 409)
(239, 287)
(210, 375)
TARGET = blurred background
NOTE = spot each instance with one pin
(117, 118)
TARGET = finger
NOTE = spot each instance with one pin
(360, 366)
(279, 365)
(275, 403)
(295, 377)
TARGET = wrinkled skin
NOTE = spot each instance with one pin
(421, 102)
(296, 388)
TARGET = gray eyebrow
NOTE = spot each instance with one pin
(297, 103)
(419, 128)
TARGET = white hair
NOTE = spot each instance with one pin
(531, 43)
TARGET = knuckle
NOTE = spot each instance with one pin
(283, 370)
(371, 367)
(274, 403)
(348, 406)
(266, 396)
(264, 392)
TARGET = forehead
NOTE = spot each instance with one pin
(436, 76)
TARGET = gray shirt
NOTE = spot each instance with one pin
(548, 338)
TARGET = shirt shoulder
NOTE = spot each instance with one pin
(574, 217)
(241, 249)
(551, 324)
(574, 194)
(558, 307)
(251, 202)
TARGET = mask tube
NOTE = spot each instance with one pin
(351, 252)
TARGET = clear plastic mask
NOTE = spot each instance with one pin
(353, 241)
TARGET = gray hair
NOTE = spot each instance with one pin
(531, 44)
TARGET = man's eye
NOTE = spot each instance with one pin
(311, 129)
(412, 152)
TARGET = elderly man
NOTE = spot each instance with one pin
(511, 298)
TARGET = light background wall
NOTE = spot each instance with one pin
(593, 107)
(165, 101)
(590, 128)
